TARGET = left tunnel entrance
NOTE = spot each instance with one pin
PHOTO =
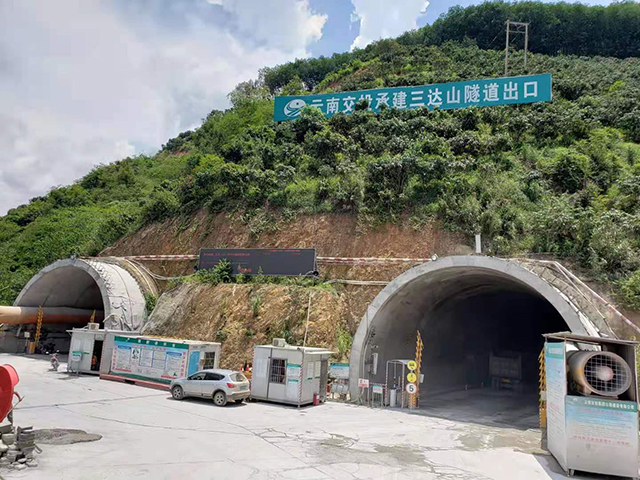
(69, 291)
(68, 287)
(478, 317)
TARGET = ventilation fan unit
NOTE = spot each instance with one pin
(599, 373)
(590, 400)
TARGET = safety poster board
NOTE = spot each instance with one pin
(148, 359)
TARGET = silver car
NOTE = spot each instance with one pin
(220, 385)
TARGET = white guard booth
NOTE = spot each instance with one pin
(158, 359)
(89, 346)
(592, 404)
(288, 374)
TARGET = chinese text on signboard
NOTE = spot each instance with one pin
(444, 96)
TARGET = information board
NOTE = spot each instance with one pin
(286, 262)
(602, 435)
(293, 371)
(339, 370)
(149, 359)
(443, 96)
(556, 372)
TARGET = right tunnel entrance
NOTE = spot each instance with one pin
(477, 317)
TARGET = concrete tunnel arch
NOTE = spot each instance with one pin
(456, 300)
(90, 284)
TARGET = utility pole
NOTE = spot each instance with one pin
(516, 28)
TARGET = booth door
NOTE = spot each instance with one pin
(194, 359)
(324, 372)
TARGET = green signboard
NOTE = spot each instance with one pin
(444, 96)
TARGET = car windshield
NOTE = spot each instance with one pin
(237, 377)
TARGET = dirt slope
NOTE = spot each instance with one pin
(241, 316)
(332, 235)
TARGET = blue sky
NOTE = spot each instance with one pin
(87, 82)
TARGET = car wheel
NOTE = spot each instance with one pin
(219, 398)
(177, 392)
(240, 400)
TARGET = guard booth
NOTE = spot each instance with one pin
(158, 359)
(89, 346)
(288, 374)
(396, 372)
(592, 404)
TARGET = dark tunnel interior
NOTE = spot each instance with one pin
(462, 334)
(62, 287)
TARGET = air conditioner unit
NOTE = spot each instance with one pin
(93, 326)
(279, 342)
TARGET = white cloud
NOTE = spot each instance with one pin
(283, 23)
(385, 18)
(82, 82)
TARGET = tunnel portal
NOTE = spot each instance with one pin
(466, 309)
(79, 285)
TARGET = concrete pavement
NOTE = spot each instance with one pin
(146, 434)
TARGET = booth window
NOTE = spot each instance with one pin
(278, 370)
(209, 360)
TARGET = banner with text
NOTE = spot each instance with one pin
(444, 96)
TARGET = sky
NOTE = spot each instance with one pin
(86, 82)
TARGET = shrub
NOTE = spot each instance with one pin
(387, 180)
(568, 170)
(161, 204)
(630, 290)
(221, 273)
(302, 193)
(150, 302)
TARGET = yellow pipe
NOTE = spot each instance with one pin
(29, 315)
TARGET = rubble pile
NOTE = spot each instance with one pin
(17, 447)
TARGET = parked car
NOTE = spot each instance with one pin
(220, 385)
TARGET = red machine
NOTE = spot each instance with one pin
(8, 380)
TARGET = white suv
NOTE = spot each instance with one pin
(220, 385)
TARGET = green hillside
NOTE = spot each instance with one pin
(560, 177)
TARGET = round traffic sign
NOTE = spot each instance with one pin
(412, 365)
(412, 377)
(411, 388)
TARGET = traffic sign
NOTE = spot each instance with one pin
(412, 365)
(412, 377)
(411, 388)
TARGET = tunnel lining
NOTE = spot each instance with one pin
(64, 287)
(80, 282)
(428, 287)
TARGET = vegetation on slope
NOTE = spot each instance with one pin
(562, 177)
(559, 28)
